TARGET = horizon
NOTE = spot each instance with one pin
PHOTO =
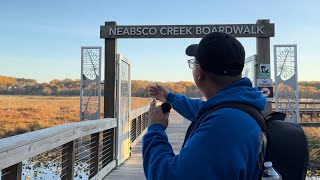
(46, 44)
(131, 80)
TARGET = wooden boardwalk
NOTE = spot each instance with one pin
(132, 168)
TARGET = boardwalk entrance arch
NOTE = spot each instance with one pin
(111, 31)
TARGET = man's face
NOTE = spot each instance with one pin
(195, 73)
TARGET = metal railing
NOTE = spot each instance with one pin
(81, 149)
(139, 124)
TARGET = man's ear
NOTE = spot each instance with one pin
(201, 73)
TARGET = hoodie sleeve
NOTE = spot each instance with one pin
(185, 106)
(160, 162)
(211, 153)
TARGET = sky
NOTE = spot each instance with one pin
(42, 39)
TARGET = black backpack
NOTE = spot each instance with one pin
(287, 145)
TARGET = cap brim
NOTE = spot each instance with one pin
(192, 50)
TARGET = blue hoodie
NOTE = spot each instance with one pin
(225, 145)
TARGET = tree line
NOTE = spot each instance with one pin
(22, 86)
(139, 88)
(69, 87)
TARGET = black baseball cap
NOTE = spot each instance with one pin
(219, 53)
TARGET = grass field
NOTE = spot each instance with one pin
(19, 114)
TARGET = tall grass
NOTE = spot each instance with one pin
(20, 114)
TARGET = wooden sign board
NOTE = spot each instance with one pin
(185, 31)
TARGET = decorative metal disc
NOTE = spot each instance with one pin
(285, 63)
(90, 99)
(91, 63)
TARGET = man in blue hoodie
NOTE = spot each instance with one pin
(224, 144)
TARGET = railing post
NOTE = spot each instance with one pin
(68, 158)
(139, 125)
(113, 143)
(12, 173)
(95, 154)
(133, 129)
(108, 147)
(305, 107)
(145, 118)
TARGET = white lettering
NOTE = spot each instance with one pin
(132, 31)
(260, 29)
(252, 30)
(119, 32)
(228, 29)
(169, 31)
(237, 29)
(214, 29)
(152, 31)
(198, 30)
(112, 31)
(246, 30)
(175, 31)
(206, 30)
(182, 30)
(221, 29)
(139, 31)
(189, 30)
(145, 31)
(126, 31)
(162, 31)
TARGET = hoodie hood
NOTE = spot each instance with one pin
(240, 91)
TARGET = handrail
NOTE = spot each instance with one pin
(139, 123)
(67, 138)
(135, 113)
(310, 124)
(18, 148)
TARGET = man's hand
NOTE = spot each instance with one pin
(159, 92)
(156, 115)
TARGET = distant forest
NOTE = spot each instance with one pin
(139, 88)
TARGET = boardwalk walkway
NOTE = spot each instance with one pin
(132, 168)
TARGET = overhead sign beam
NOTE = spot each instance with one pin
(186, 31)
(262, 30)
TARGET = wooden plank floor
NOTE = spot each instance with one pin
(132, 168)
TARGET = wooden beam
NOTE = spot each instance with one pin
(15, 149)
(263, 56)
(137, 112)
(107, 147)
(104, 171)
(133, 131)
(111, 30)
(95, 154)
(137, 140)
(12, 173)
(113, 143)
(309, 124)
(68, 158)
(110, 75)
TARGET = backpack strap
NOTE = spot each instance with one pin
(276, 116)
(249, 109)
(252, 111)
(255, 114)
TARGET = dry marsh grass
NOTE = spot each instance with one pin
(20, 114)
